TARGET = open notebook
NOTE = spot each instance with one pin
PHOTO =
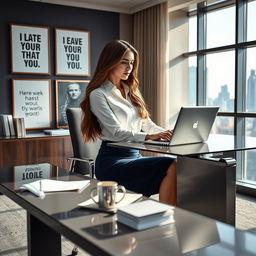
(192, 126)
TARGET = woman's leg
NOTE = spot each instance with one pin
(168, 187)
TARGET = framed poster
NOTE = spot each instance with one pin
(31, 99)
(72, 52)
(69, 94)
(30, 49)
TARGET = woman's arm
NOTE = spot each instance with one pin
(111, 127)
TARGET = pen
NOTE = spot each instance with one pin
(41, 192)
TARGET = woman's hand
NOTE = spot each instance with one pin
(165, 135)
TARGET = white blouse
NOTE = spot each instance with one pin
(118, 117)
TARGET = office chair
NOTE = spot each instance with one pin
(84, 153)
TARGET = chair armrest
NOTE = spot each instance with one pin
(85, 160)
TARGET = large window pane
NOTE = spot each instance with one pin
(220, 85)
(251, 80)
(223, 125)
(220, 27)
(192, 33)
(251, 28)
(192, 81)
(250, 155)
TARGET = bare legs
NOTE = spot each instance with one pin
(168, 187)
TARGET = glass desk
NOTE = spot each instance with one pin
(100, 234)
(206, 173)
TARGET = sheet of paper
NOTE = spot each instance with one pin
(47, 185)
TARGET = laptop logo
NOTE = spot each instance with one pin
(195, 125)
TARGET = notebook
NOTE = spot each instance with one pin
(192, 126)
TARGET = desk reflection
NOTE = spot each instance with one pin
(195, 232)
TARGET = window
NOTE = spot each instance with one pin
(223, 70)
(223, 125)
(220, 80)
(251, 80)
(251, 29)
(220, 27)
(192, 33)
(192, 81)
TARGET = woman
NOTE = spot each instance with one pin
(114, 110)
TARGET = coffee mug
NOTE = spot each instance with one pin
(106, 191)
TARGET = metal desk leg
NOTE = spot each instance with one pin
(207, 187)
(42, 240)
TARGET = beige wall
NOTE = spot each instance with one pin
(177, 65)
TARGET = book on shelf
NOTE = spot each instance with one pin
(11, 125)
(19, 126)
(145, 214)
(57, 132)
(4, 125)
(40, 187)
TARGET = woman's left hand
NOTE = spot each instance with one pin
(165, 135)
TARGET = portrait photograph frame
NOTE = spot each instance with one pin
(72, 52)
(69, 94)
(31, 99)
(30, 49)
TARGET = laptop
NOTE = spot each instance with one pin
(192, 126)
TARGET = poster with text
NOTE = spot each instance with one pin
(32, 100)
(30, 49)
(72, 52)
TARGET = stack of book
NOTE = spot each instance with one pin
(10, 126)
(145, 214)
(57, 132)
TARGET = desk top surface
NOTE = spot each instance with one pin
(100, 233)
(215, 144)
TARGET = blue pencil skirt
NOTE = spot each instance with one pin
(128, 168)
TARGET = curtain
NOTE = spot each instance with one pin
(150, 39)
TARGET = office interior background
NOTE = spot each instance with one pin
(210, 59)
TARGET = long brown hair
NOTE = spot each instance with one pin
(109, 58)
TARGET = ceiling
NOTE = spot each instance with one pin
(121, 6)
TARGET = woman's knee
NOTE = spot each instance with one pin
(172, 168)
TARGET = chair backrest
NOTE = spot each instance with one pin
(82, 150)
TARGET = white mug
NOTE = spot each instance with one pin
(106, 191)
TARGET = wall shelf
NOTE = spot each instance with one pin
(34, 149)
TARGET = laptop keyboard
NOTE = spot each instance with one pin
(157, 142)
